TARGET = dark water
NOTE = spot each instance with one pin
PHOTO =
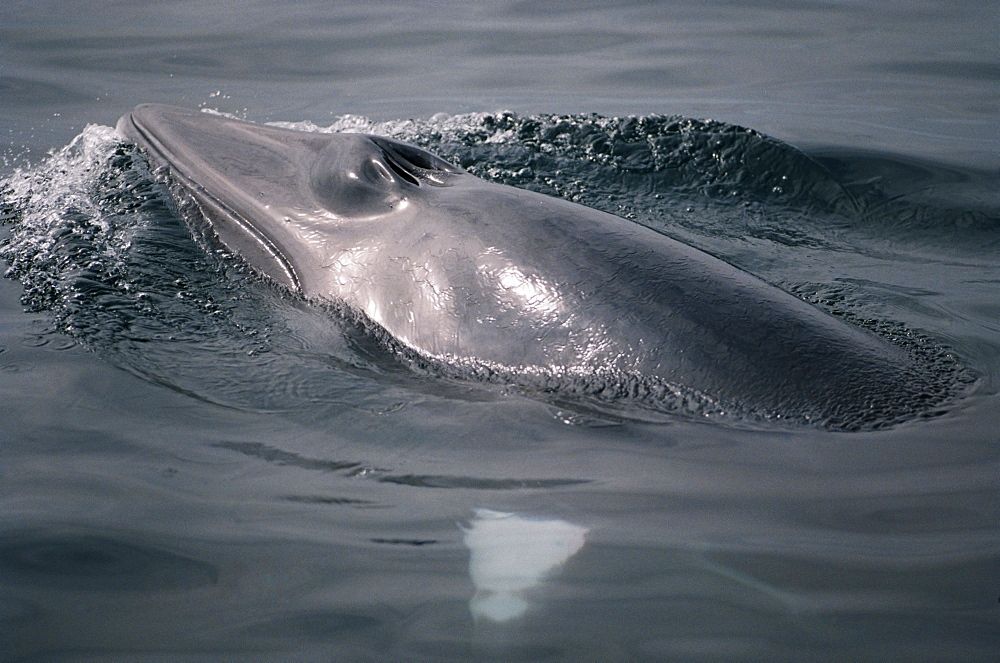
(195, 467)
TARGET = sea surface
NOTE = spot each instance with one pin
(195, 466)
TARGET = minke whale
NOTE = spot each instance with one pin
(487, 281)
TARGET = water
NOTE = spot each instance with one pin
(195, 467)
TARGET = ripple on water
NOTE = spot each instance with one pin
(316, 625)
(93, 562)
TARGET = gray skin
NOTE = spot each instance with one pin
(494, 280)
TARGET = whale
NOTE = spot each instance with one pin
(490, 282)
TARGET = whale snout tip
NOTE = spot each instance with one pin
(144, 118)
(125, 125)
(130, 124)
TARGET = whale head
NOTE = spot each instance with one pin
(489, 281)
(267, 190)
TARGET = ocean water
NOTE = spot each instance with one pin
(195, 466)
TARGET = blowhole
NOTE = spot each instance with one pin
(412, 164)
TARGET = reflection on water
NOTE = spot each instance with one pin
(510, 555)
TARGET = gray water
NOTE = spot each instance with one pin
(194, 466)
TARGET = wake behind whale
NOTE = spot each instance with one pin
(475, 280)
